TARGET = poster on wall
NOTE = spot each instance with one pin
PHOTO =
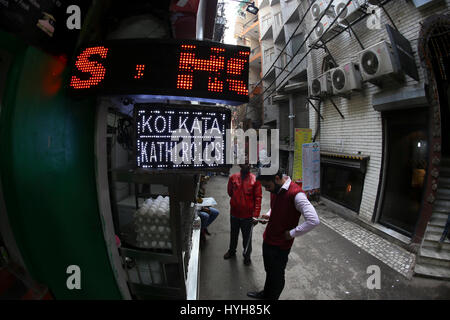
(42, 23)
(302, 136)
(311, 166)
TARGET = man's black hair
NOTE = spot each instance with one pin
(269, 178)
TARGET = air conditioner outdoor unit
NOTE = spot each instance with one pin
(318, 8)
(321, 86)
(350, 11)
(324, 26)
(346, 78)
(378, 61)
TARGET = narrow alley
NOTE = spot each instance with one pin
(323, 264)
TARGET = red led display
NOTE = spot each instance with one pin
(192, 69)
(189, 63)
(86, 65)
(140, 71)
(215, 65)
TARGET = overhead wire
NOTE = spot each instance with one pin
(285, 46)
(301, 47)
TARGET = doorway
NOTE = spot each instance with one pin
(406, 158)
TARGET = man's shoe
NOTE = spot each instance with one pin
(207, 232)
(202, 237)
(229, 255)
(256, 294)
(247, 261)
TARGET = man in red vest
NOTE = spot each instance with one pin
(245, 192)
(287, 203)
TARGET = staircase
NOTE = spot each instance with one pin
(434, 260)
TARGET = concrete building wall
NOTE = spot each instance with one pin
(361, 130)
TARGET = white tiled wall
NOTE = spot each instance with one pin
(361, 130)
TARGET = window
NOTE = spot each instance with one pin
(296, 41)
(269, 55)
(278, 19)
(266, 21)
(284, 59)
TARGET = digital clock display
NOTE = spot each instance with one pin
(188, 70)
(180, 136)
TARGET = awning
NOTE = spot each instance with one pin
(355, 161)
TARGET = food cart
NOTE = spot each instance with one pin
(147, 201)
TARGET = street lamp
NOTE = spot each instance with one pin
(250, 8)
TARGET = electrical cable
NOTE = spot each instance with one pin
(285, 46)
(301, 46)
(334, 21)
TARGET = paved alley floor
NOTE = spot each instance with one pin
(323, 264)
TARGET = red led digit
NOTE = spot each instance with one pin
(96, 69)
(235, 67)
(189, 63)
(140, 71)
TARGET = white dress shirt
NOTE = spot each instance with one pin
(303, 205)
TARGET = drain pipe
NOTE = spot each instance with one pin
(318, 123)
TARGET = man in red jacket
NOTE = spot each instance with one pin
(245, 192)
(287, 203)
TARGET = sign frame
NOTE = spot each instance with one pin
(182, 107)
(214, 66)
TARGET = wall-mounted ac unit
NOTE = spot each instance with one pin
(346, 78)
(324, 26)
(321, 86)
(378, 62)
(318, 8)
(350, 12)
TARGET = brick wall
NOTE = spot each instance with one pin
(361, 130)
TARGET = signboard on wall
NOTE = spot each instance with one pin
(403, 52)
(311, 166)
(302, 136)
(166, 69)
(180, 136)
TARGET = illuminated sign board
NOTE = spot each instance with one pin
(180, 136)
(168, 69)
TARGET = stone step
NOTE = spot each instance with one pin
(434, 245)
(441, 206)
(431, 241)
(443, 182)
(443, 194)
(429, 270)
(434, 257)
(438, 219)
(435, 237)
(444, 171)
(434, 229)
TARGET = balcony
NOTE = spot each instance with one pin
(263, 4)
(255, 57)
(293, 13)
(280, 38)
(266, 32)
(251, 29)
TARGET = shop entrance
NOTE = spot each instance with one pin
(406, 157)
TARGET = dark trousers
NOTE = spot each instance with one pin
(275, 260)
(245, 226)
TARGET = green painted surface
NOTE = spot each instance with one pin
(47, 167)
